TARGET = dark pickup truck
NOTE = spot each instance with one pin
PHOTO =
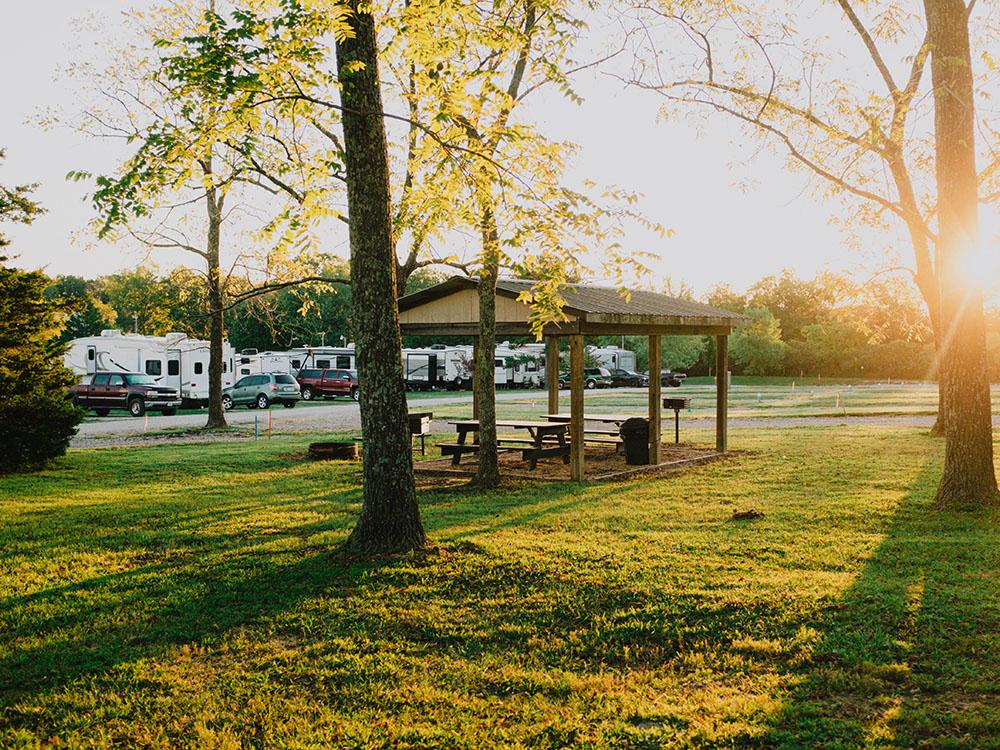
(132, 391)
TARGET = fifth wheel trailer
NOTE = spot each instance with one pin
(175, 360)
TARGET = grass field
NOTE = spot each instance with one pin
(190, 596)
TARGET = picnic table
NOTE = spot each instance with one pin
(546, 439)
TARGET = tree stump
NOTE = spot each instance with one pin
(343, 450)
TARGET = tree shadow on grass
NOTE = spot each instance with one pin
(910, 655)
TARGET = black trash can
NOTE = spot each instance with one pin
(635, 437)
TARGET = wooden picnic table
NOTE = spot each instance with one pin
(607, 418)
(540, 444)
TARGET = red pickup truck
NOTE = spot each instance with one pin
(328, 383)
(132, 391)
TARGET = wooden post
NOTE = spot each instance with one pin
(475, 380)
(552, 372)
(655, 400)
(576, 467)
(721, 393)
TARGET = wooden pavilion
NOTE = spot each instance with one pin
(451, 308)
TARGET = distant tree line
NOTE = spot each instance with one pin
(829, 326)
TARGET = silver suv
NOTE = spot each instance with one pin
(260, 391)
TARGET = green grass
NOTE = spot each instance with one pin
(189, 596)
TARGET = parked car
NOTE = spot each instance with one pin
(133, 391)
(593, 377)
(672, 379)
(328, 383)
(629, 379)
(260, 391)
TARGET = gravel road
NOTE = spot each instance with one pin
(342, 415)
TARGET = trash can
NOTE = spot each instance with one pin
(635, 437)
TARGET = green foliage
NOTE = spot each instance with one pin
(16, 205)
(758, 348)
(86, 314)
(37, 416)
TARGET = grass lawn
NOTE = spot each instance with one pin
(189, 596)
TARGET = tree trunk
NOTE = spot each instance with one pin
(488, 473)
(216, 414)
(390, 517)
(968, 478)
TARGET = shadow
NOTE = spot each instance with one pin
(910, 655)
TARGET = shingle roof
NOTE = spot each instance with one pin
(587, 300)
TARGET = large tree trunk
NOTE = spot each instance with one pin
(488, 473)
(390, 517)
(216, 414)
(968, 477)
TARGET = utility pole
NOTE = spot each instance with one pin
(135, 323)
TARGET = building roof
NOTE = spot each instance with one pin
(591, 310)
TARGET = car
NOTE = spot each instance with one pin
(628, 378)
(672, 379)
(135, 392)
(597, 377)
(328, 383)
(260, 391)
(593, 377)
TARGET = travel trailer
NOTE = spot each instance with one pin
(322, 357)
(252, 362)
(438, 366)
(175, 360)
(524, 364)
(613, 357)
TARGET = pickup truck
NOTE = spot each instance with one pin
(132, 391)
(328, 383)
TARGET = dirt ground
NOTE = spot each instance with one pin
(601, 462)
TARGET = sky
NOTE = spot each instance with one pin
(693, 181)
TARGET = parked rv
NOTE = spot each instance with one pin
(613, 357)
(252, 362)
(175, 360)
(322, 358)
(438, 366)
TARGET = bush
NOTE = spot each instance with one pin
(35, 411)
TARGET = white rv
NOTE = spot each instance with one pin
(175, 359)
(252, 362)
(613, 357)
(322, 358)
(438, 366)
(524, 364)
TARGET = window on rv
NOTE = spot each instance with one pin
(91, 353)
(296, 364)
(323, 364)
(199, 368)
(343, 361)
(173, 367)
(498, 363)
(154, 367)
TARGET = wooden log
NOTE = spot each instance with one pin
(577, 470)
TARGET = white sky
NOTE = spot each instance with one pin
(691, 181)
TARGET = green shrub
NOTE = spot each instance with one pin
(37, 419)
